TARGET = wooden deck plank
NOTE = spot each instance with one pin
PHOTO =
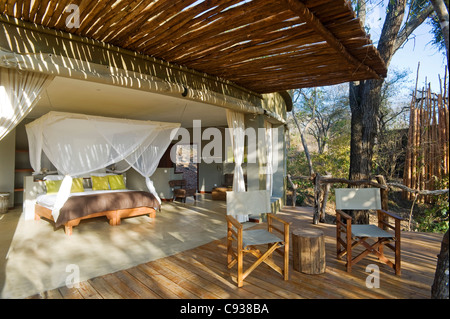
(202, 272)
(136, 286)
(105, 290)
(153, 282)
(203, 269)
(87, 291)
(309, 286)
(176, 275)
(202, 278)
(256, 287)
(70, 293)
(168, 284)
(120, 287)
(221, 268)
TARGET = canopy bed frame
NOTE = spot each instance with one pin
(80, 145)
(71, 214)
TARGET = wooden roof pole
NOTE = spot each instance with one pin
(312, 21)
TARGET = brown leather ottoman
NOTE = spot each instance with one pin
(220, 193)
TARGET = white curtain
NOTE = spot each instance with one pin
(77, 144)
(237, 130)
(19, 93)
(269, 154)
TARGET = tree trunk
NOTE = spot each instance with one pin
(305, 145)
(439, 289)
(442, 13)
(365, 100)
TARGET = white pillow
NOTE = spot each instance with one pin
(53, 177)
(98, 172)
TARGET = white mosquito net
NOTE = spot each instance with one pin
(77, 144)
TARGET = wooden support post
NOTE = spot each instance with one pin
(294, 190)
(323, 206)
(317, 198)
(383, 192)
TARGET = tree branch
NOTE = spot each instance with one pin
(442, 13)
(419, 192)
(410, 26)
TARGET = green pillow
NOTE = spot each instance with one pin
(77, 185)
(116, 182)
(53, 186)
(100, 183)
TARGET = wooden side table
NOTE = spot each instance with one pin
(309, 251)
(4, 202)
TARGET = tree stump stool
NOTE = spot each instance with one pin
(309, 251)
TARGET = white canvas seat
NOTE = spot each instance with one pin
(259, 237)
(354, 235)
(240, 242)
(369, 231)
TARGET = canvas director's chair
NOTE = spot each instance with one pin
(354, 235)
(241, 242)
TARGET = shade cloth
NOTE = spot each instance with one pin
(358, 198)
(19, 92)
(77, 144)
(237, 130)
(269, 154)
(236, 126)
(251, 202)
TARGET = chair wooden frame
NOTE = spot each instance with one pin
(236, 233)
(353, 238)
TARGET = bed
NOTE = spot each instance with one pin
(78, 144)
(90, 203)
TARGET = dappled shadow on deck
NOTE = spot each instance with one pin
(201, 272)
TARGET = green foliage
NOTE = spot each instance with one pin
(336, 160)
(435, 219)
(304, 188)
(438, 37)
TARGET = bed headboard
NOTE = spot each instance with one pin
(32, 188)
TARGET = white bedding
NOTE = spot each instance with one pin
(48, 200)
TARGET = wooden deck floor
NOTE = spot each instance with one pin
(202, 273)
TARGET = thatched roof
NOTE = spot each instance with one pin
(265, 46)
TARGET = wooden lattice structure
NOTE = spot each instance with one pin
(427, 157)
(264, 46)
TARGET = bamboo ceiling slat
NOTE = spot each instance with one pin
(264, 46)
(208, 28)
(55, 16)
(277, 40)
(260, 31)
(19, 8)
(158, 22)
(240, 54)
(124, 21)
(41, 11)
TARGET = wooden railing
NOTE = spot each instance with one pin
(322, 185)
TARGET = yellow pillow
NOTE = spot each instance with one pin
(116, 182)
(100, 183)
(77, 185)
(53, 186)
